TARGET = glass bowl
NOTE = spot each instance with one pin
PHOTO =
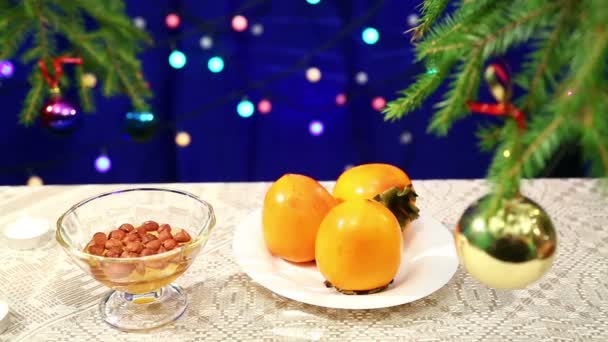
(143, 297)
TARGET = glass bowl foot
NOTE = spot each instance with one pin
(141, 312)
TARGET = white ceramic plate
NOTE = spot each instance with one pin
(429, 262)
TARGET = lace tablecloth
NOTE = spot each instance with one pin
(51, 299)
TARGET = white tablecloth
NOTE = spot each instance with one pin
(51, 299)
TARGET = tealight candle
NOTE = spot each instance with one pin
(4, 320)
(27, 233)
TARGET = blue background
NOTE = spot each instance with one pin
(226, 147)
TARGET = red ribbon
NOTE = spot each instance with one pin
(57, 65)
(497, 77)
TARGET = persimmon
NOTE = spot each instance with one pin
(384, 183)
(359, 246)
(294, 207)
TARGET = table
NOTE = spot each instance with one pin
(51, 299)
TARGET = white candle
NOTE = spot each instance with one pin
(27, 233)
(3, 316)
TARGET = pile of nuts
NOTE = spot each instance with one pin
(129, 242)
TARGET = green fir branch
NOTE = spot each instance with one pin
(34, 99)
(508, 147)
(44, 22)
(489, 137)
(595, 141)
(504, 25)
(555, 130)
(452, 32)
(126, 82)
(13, 33)
(84, 92)
(462, 89)
(431, 11)
(413, 97)
(547, 59)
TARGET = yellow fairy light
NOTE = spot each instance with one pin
(182, 139)
(313, 75)
(89, 80)
(35, 181)
(506, 153)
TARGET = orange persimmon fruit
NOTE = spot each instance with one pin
(359, 246)
(384, 183)
(294, 207)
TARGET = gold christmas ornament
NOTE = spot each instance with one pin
(509, 249)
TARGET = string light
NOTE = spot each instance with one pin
(405, 138)
(239, 23)
(89, 80)
(341, 99)
(172, 21)
(264, 106)
(245, 109)
(34, 181)
(6, 69)
(378, 103)
(141, 116)
(370, 36)
(182, 139)
(177, 59)
(313, 74)
(506, 153)
(139, 22)
(206, 42)
(103, 163)
(569, 93)
(361, 77)
(432, 71)
(316, 128)
(313, 2)
(215, 64)
(412, 19)
(257, 29)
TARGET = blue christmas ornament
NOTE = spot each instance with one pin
(140, 126)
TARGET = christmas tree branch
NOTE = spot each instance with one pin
(462, 89)
(48, 21)
(534, 146)
(13, 33)
(509, 146)
(514, 31)
(540, 65)
(593, 143)
(494, 33)
(447, 35)
(84, 92)
(431, 11)
(583, 71)
(34, 99)
(138, 101)
(413, 96)
(489, 137)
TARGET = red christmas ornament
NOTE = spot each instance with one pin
(501, 87)
(57, 114)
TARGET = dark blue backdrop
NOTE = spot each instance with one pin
(226, 147)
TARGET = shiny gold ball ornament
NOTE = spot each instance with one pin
(509, 249)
